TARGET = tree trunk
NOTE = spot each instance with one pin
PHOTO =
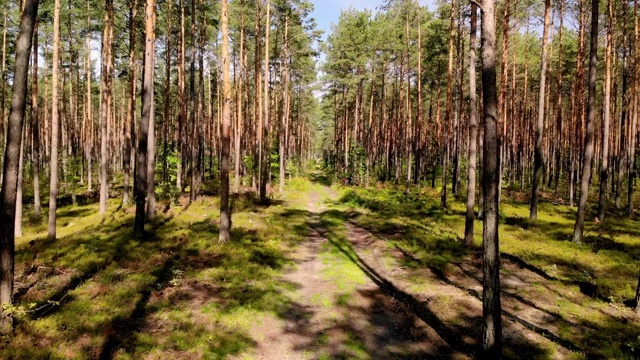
(538, 160)
(167, 96)
(284, 124)
(239, 105)
(225, 214)
(146, 118)
(105, 113)
(18, 221)
(473, 130)
(89, 138)
(265, 158)
(491, 308)
(449, 107)
(150, 50)
(192, 107)
(183, 104)
(591, 114)
(11, 157)
(634, 117)
(53, 183)
(35, 125)
(129, 129)
(604, 165)
(3, 78)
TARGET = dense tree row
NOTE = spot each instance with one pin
(156, 99)
(401, 104)
(398, 88)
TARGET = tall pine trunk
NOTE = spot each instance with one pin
(11, 159)
(146, 118)
(18, 216)
(129, 129)
(225, 215)
(265, 160)
(604, 164)
(141, 182)
(53, 183)
(634, 117)
(591, 115)
(491, 308)
(105, 112)
(35, 125)
(473, 130)
(538, 157)
(449, 107)
(150, 53)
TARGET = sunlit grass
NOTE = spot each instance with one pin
(592, 277)
(174, 293)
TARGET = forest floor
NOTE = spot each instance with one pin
(323, 272)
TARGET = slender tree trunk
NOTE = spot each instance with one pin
(192, 107)
(18, 221)
(604, 165)
(473, 130)
(239, 105)
(449, 107)
(491, 308)
(167, 96)
(265, 158)
(559, 132)
(129, 130)
(3, 78)
(89, 107)
(591, 114)
(150, 53)
(502, 103)
(225, 214)
(634, 117)
(146, 118)
(35, 125)
(105, 112)
(285, 104)
(183, 104)
(539, 160)
(8, 194)
(53, 183)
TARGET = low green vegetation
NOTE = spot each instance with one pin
(588, 286)
(99, 292)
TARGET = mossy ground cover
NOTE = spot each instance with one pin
(99, 292)
(582, 288)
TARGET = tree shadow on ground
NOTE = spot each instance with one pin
(320, 178)
(100, 292)
(570, 329)
(460, 334)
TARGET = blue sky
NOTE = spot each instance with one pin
(327, 11)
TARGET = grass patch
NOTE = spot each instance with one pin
(585, 279)
(176, 293)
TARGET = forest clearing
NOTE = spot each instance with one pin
(277, 179)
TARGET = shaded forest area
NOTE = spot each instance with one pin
(221, 182)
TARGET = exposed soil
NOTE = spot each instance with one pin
(381, 325)
(390, 316)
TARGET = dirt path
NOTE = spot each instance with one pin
(360, 295)
(339, 311)
(450, 302)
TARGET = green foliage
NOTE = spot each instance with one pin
(168, 189)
